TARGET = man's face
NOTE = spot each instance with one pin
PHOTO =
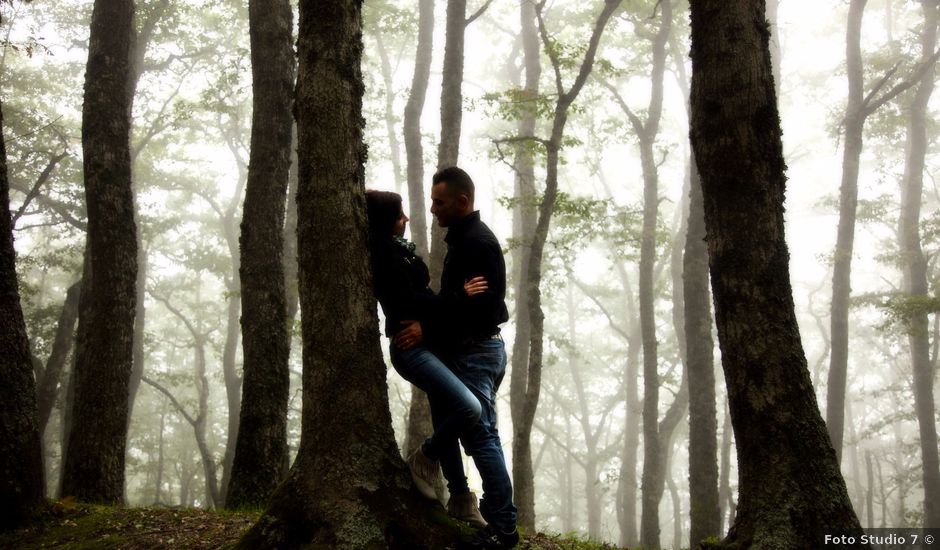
(445, 206)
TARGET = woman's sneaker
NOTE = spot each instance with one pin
(423, 472)
(463, 507)
(491, 538)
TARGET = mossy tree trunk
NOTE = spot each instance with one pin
(348, 487)
(791, 490)
(260, 459)
(21, 472)
(94, 463)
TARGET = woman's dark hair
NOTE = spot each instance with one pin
(383, 208)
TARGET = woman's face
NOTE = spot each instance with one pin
(400, 223)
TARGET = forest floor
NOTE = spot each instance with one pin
(75, 526)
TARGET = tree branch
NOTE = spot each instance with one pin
(34, 192)
(172, 398)
(477, 13)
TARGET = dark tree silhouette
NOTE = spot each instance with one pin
(94, 462)
(791, 489)
(21, 475)
(260, 459)
(348, 487)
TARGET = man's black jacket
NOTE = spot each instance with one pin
(472, 251)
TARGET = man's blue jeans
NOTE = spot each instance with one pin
(481, 367)
(454, 409)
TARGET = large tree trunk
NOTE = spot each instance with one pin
(94, 465)
(21, 472)
(524, 219)
(260, 457)
(914, 266)
(791, 490)
(854, 123)
(348, 460)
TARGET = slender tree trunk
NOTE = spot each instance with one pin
(419, 413)
(261, 448)
(725, 498)
(914, 266)
(790, 486)
(854, 124)
(158, 484)
(646, 131)
(870, 493)
(21, 473)
(290, 234)
(524, 225)
(140, 326)
(414, 151)
(94, 465)
(523, 475)
(47, 390)
(233, 381)
(348, 458)
(704, 508)
(390, 118)
(448, 151)
(627, 486)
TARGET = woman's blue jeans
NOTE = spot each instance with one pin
(454, 409)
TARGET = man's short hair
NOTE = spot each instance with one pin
(458, 182)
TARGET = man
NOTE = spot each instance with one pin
(473, 347)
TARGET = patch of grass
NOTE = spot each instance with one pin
(78, 526)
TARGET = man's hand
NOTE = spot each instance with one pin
(474, 286)
(410, 336)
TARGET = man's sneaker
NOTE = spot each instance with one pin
(423, 472)
(491, 538)
(463, 507)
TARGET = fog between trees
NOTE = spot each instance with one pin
(590, 147)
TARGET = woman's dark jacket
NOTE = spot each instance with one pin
(400, 279)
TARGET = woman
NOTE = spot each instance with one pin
(401, 280)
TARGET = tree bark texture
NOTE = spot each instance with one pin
(94, 464)
(704, 510)
(21, 473)
(854, 124)
(524, 219)
(791, 489)
(260, 457)
(914, 267)
(348, 487)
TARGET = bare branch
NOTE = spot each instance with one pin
(172, 398)
(43, 177)
(917, 76)
(478, 13)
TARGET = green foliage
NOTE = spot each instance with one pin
(899, 307)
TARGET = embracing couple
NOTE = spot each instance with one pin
(448, 345)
